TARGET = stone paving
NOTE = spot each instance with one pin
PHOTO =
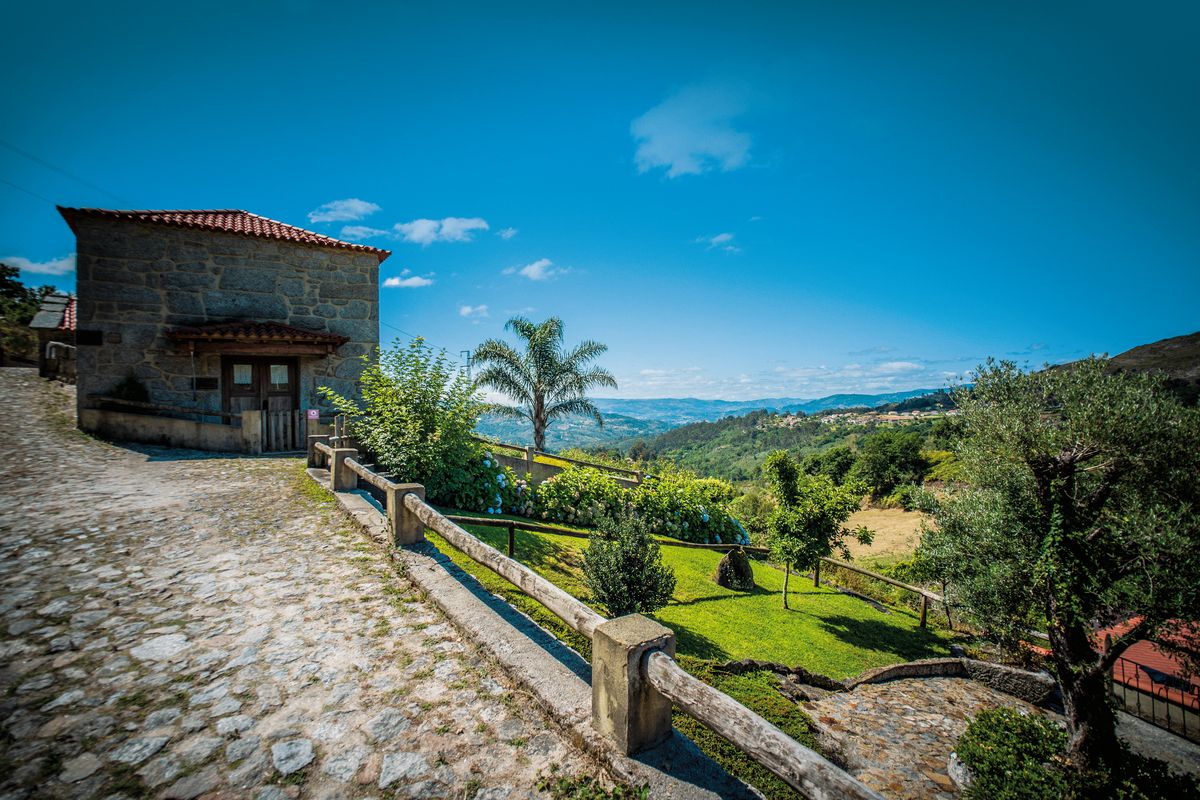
(178, 625)
(897, 736)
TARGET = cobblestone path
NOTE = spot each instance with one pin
(897, 736)
(177, 625)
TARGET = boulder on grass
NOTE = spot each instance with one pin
(734, 571)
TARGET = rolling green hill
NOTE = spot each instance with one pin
(571, 432)
(734, 448)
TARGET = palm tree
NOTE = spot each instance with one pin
(545, 381)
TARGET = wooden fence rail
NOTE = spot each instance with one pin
(633, 716)
(566, 607)
(517, 525)
(801, 768)
(529, 452)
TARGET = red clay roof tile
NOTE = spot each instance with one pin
(227, 220)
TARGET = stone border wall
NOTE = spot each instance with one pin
(1038, 688)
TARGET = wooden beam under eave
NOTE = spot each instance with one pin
(262, 348)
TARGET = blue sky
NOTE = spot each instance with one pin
(741, 200)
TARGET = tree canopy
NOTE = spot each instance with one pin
(1078, 513)
(807, 523)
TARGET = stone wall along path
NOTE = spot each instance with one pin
(178, 625)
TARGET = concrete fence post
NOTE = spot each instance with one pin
(406, 527)
(341, 477)
(529, 459)
(313, 456)
(625, 708)
(252, 432)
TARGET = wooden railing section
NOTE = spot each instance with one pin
(627, 704)
(801, 768)
(531, 455)
(514, 525)
(924, 594)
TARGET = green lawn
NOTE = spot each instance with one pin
(824, 631)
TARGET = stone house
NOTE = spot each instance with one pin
(214, 329)
(55, 326)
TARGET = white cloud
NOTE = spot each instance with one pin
(724, 241)
(57, 266)
(541, 270)
(506, 233)
(408, 281)
(342, 210)
(692, 132)
(473, 311)
(448, 229)
(897, 366)
(354, 233)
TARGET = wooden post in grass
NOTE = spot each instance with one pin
(512, 539)
(817, 574)
(924, 608)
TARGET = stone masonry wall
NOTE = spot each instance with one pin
(136, 281)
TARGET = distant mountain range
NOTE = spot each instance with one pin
(628, 419)
(683, 410)
(646, 418)
(571, 432)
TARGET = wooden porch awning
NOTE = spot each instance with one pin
(256, 338)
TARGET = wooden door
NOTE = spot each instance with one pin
(268, 384)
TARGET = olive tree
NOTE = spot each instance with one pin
(1079, 512)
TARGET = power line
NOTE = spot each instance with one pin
(28, 192)
(43, 162)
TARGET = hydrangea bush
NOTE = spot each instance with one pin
(675, 504)
(580, 496)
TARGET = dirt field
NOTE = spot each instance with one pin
(897, 532)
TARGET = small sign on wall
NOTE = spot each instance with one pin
(314, 414)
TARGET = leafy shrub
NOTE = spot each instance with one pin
(579, 496)
(888, 459)
(834, 462)
(904, 496)
(752, 509)
(944, 467)
(417, 418)
(674, 504)
(1015, 756)
(693, 509)
(1011, 756)
(624, 569)
(518, 494)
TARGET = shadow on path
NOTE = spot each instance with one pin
(523, 624)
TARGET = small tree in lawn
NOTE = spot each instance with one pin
(808, 521)
(623, 567)
(1080, 511)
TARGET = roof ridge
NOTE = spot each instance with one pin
(229, 220)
